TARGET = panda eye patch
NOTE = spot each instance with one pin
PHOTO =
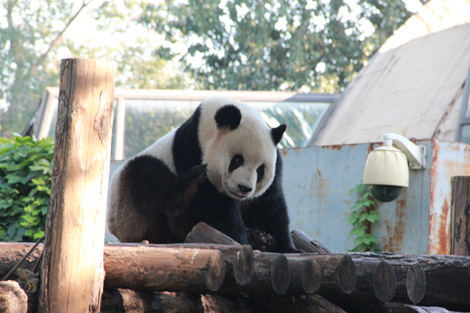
(260, 173)
(236, 162)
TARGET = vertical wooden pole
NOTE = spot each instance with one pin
(72, 270)
(460, 216)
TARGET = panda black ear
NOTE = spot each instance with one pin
(228, 116)
(276, 133)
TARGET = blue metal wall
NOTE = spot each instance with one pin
(317, 181)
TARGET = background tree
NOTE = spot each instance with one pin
(36, 35)
(29, 33)
(270, 45)
(313, 45)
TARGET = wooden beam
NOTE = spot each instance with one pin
(72, 270)
(163, 269)
(446, 281)
(303, 242)
(203, 233)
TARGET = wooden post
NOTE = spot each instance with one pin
(72, 270)
(460, 215)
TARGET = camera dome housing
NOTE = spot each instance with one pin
(386, 171)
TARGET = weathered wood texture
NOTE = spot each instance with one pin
(460, 215)
(376, 281)
(72, 270)
(393, 307)
(239, 265)
(343, 276)
(303, 242)
(338, 274)
(270, 274)
(298, 304)
(411, 282)
(203, 233)
(131, 301)
(163, 269)
(305, 276)
(447, 277)
(13, 252)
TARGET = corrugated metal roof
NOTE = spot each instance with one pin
(412, 86)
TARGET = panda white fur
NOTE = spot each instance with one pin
(221, 167)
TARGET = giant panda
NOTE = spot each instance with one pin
(221, 167)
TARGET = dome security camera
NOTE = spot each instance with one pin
(386, 170)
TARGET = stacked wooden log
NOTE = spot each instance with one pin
(202, 275)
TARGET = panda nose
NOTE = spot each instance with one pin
(244, 188)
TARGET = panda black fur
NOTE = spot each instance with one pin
(221, 167)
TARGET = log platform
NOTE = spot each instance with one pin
(228, 277)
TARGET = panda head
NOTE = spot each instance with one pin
(241, 154)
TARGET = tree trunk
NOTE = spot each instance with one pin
(72, 269)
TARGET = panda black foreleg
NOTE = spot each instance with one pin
(218, 211)
(186, 186)
(155, 189)
(269, 213)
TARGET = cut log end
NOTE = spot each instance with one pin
(215, 271)
(312, 276)
(384, 282)
(305, 276)
(243, 266)
(346, 274)
(280, 275)
(415, 283)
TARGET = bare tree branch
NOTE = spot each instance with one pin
(59, 36)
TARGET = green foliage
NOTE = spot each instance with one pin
(236, 44)
(273, 45)
(30, 32)
(363, 216)
(25, 186)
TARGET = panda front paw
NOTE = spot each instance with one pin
(260, 240)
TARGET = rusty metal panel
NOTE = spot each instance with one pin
(448, 159)
(317, 181)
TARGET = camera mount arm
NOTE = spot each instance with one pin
(416, 154)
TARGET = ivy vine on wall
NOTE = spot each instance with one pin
(363, 216)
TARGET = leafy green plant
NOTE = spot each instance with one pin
(363, 216)
(25, 186)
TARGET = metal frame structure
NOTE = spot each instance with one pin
(40, 124)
